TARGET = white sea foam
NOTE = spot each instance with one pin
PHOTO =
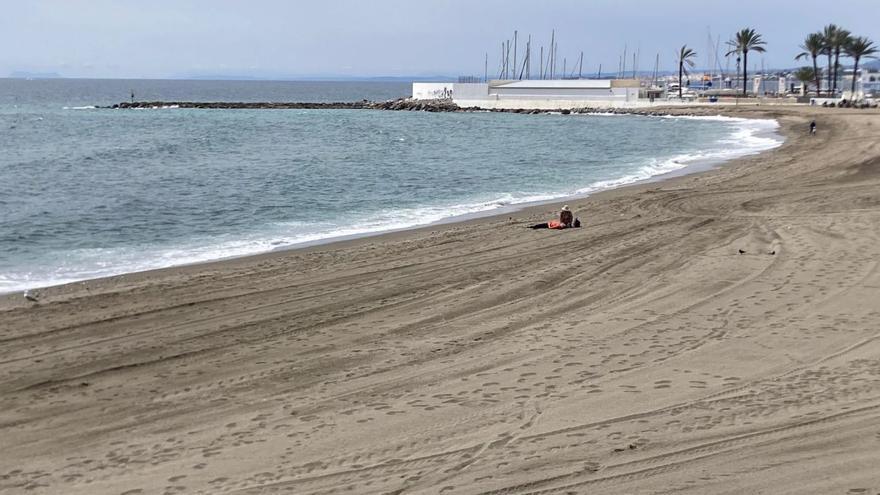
(157, 107)
(97, 263)
(748, 136)
(86, 107)
(751, 136)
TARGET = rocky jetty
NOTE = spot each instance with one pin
(401, 104)
(408, 104)
(225, 105)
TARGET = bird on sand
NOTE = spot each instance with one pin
(742, 252)
(31, 296)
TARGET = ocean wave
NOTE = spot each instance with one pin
(107, 262)
(750, 136)
(745, 137)
(718, 118)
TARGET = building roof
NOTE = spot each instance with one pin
(553, 84)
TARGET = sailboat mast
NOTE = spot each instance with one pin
(581, 66)
(549, 62)
(709, 51)
(503, 65)
(541, 67)
(507, 71)
(525, 63)
(514, 52)
(636, 60)
(656, 67)
(529, 58)
(555, 59)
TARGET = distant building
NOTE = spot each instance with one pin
(432, 91)
(557, 93)
(867, 82)
(870, 82)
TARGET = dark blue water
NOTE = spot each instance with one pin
(90, 192)
(49, 93)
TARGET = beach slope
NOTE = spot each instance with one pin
(715, 333)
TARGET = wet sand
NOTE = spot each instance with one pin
(642, 353)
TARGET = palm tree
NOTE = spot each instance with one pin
(837, 43)
(745, 41)
(685, 56)
(814, 45)
(859, 47)
(806, 75)
(829, 32)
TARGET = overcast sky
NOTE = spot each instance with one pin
(291, 38)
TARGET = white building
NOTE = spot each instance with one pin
(535, 94)
(867, 82)
(870, 82)
(432, 91)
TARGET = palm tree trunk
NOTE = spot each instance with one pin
(745, 72)
(836, 67)
(828, 89)
(852, 96)
(680, 70)
(816, 72)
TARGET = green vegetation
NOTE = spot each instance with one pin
(807, 75)
(685, 58)
(857, 48)
(743, 42)
(813, 46)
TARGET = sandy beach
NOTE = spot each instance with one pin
(715, 333)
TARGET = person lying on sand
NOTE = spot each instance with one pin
(566, 221)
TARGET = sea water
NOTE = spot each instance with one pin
(88, 192)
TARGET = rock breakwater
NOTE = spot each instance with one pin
(401, 104)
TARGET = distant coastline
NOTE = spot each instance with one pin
(34, 75)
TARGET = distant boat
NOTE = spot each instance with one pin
(672, 92)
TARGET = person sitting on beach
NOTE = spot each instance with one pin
(566, 217)
(566, 221)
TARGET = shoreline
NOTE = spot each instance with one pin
(706, 334)
(696, 166)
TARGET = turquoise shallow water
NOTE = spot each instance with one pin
(90, 192)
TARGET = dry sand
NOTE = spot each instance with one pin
(640, 354)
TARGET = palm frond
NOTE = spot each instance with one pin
(861, 47)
